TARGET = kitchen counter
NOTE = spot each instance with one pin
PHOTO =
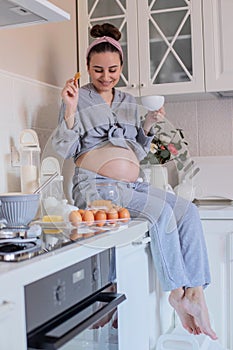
(52, 261)
(14, 276)
(216, 212)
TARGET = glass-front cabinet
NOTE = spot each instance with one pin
(161, 41)
(170, 46)
(170, 51)
(116, 12)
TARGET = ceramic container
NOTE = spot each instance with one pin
(18, 209)
(153, 102)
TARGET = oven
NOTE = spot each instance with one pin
(75, 308)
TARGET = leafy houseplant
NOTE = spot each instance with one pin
(167, 145)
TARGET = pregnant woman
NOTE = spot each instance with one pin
(100, 127)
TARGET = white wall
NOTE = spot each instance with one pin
(34, 65)
(25, 103)
(44, 52)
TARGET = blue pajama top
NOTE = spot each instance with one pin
(96, 124)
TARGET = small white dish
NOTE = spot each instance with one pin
(153, 102)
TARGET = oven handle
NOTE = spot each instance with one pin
(40, 339)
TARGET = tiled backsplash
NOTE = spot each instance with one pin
(207, 125)
(25, 103)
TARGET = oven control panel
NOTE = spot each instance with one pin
(59, 293)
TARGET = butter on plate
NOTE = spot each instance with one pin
(52, 219)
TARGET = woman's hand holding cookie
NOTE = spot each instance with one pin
(70, 97)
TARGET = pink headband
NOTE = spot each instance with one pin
(105, 39)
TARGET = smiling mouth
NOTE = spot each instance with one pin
(106, 83)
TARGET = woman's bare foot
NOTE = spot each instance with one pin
(191, 307)
(187, 320)
(194, 303)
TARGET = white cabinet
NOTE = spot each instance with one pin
(163, 43)
(160, 40)
(133, 279)
(219, 239)
(12, 317)
(230, 259)
(145, 314)
(218, 29)
(169, 50)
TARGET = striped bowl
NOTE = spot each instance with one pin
(18, 209)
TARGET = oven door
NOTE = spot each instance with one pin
(91, 324)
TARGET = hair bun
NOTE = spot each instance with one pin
(106, 29)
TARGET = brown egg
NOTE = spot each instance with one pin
(124, 214)
(94, 211)
(88, 217)
(112, 215)
(101, 217)
(81, 211)
(75, 217)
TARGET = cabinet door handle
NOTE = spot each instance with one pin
(133, 86)
(5, 308)
(142, 241)
(142, 85)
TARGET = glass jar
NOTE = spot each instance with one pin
(52, 197)
(29, 169)
(103, 195)
(29, 161)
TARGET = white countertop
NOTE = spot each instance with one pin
(48, 263)
(61, 258)
(216, 212)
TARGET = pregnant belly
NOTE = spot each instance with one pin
(115, 162)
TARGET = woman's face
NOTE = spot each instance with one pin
(105, 69)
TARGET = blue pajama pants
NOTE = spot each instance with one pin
(177, 242)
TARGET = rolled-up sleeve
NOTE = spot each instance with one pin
(66, 142)
(143, 139)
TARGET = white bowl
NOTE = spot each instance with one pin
(153, 102)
